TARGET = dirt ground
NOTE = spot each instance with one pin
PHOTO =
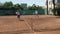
(30, 24)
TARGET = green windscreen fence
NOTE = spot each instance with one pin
(58, 12)
(22, 12)
(7, 12)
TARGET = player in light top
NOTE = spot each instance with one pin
(18, 14)
(36, 12)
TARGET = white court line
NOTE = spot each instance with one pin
(30, 28)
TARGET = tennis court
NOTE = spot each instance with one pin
(30, 24)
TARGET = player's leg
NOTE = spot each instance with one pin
(18, 17)
(37, 16)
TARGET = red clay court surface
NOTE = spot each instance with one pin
(30, 24)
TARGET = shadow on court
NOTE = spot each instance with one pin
(21, 20)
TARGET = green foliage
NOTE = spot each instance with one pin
(18, 6)
(8, 4)
(1, 5)
(34, 7)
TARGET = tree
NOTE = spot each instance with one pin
(38, 8)
(34, 7)
(47, 6)
(18, 6)
(8, 4)
(1, 5)
(54, 12)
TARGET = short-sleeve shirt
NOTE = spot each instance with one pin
(36, 12)
(18, 13)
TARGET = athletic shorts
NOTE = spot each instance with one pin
(18, 16)
(36, 14)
